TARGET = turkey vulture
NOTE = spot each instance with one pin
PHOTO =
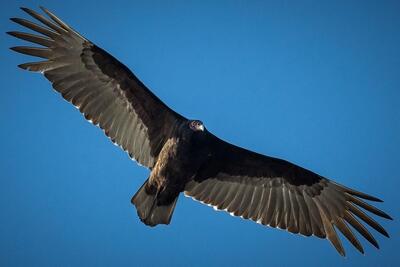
(182, 155)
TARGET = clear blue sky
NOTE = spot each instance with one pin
(314, 82)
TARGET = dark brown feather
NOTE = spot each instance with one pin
(371, 222)
(367, 207)
(33, 51)
(360, 228)
(32, 38)
(35, 27)
(43, 20)
(342, 226)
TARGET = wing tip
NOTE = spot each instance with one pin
(364, 195)
(15, 34)
(375, 199)
(15, 48)
(339, 247)
(387, 216)
(387, 235)
(27, 10)
(23, 66)
(14, 19)
(384, 233)
(44, 9)
(31, 11)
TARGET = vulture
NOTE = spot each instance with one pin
(182, 155)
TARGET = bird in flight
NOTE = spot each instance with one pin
(182, 155)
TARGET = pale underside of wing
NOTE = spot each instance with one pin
(306, 209)
(103, 90)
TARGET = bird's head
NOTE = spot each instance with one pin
(196, 125)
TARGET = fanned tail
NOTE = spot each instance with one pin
(148, 208)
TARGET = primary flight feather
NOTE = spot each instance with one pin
(182, 154)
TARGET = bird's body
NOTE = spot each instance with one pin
(178, 162)
(182, 155)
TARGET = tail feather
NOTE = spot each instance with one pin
(149, 211)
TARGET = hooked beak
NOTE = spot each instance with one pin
(201, 128)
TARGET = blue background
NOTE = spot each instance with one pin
(314, 82)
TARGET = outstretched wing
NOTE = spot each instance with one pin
(103, 89)
(280, 194)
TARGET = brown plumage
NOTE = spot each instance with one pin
(182, 155)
